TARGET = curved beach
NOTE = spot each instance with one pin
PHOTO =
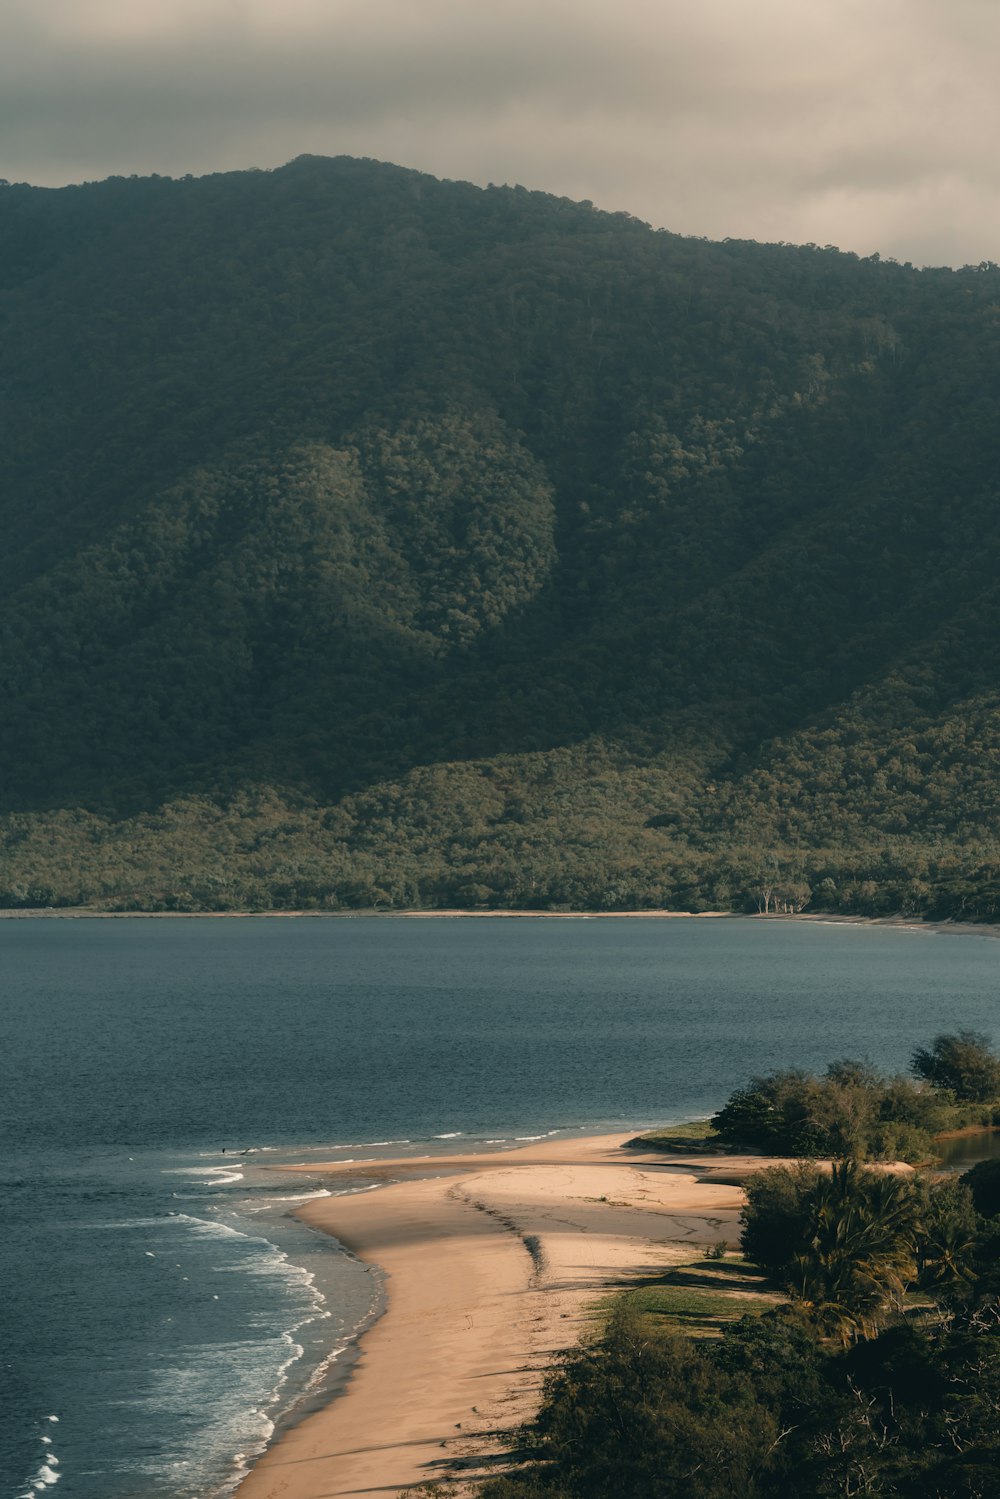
(493, 1264)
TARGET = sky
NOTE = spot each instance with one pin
(869, 124)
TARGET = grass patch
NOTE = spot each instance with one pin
(700, 1297)
(696, 1134)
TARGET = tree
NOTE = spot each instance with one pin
(962, 1063)
(774, 1217)
(859, 1251)
(947, 1234)
(842, 1241)
(775, 1113)
(852, 1112)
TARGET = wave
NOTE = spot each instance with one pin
(261, 1204)
(241, 1421)
(453, 1136)
(359, 1160)
(359, 1145)
(241, 1386)
(47, 1474)
(215, 1176)
(265, 1258)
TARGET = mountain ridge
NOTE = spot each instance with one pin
(439, 545)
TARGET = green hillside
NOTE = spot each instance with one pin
(373, 540)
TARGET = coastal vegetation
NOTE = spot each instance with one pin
(853, 1111)
(879, 1373)
(695, 1134)
(372, 542)
(853, 1347)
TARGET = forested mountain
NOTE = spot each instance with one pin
(374, 540)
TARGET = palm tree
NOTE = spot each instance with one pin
(858, 1254)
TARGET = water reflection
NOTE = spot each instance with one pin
(963, 1151)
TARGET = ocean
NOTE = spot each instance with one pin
(162, 1310)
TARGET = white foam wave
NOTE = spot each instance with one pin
(359, 1160)
(323, 1368)
(213, 1155)
(453, 1136)
(47, 1474)
(215, 1176)
(262, 1259)
(357, 1145)
(261, 1204)
(530, 1137)
(241, 1385)
(253, 1372)
(209, 1228)
(129, 1223)
(502, 1141)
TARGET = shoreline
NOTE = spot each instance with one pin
(491, 1265)
(896, 923)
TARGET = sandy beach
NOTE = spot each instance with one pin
(493, 1265)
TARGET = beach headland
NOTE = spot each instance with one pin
(493, 1266)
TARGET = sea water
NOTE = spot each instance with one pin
(162, 1310)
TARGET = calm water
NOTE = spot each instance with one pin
(162, 1308)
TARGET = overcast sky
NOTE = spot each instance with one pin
(870, 124)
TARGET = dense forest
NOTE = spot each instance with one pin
(374, 541)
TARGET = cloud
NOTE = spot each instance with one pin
(866, 123)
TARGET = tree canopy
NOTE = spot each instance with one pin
(962, 1063)
(853, 1112)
